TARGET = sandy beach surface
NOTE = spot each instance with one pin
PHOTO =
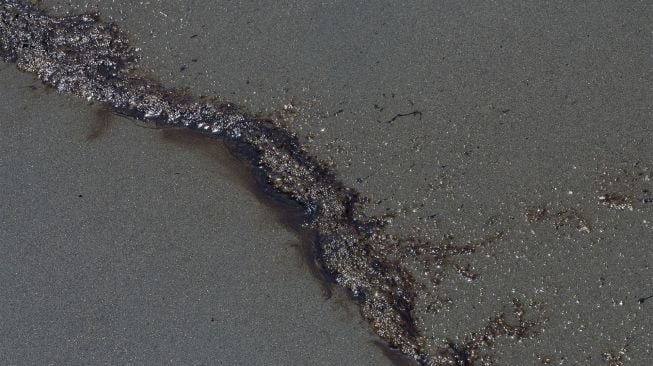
(127, 245)
(522, 129)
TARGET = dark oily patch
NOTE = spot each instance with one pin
(561, 218)
(83, 56)
(626, 186)
(473, 350)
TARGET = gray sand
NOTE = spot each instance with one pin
(123, 247)
(522, 107)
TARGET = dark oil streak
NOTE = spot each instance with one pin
(397, 358)
(400, 115)
(643, 299)
(285, 212)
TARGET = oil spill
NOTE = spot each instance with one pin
(397, 358)
(83, 56)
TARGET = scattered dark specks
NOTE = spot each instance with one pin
(467, 272)
(616, 358)
(617, 200)
(568, 217)
(475, 347)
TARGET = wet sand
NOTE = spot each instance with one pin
(528, 119)
(125, 245)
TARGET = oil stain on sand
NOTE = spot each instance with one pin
(403, 283)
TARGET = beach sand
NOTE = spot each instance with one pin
(463, 121)
(128, 245)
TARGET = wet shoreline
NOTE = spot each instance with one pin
(564, 221)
